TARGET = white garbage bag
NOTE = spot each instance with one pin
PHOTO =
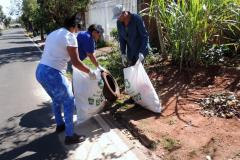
(88, 94)
(140, 88)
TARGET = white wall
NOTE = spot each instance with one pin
(100, 12)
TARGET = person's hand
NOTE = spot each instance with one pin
(141, 57)
(124, 60)
(92, 75)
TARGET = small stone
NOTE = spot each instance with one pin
(208, 157)
(229, 115)
(232, 103)
(231, 97)
(238, 85)
(222, 115)
(216, 100)
(207, 101)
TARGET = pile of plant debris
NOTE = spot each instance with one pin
(224, 105)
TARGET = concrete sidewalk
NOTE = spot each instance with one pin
(102, 143)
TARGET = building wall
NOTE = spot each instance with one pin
(100, 12)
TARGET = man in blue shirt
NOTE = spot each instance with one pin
(133, 36)
(86, 43)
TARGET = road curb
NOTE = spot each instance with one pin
(32, 41)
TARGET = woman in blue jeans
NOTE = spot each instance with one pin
(60, 47)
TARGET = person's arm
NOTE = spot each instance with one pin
(89, 49)
(121, 40)
(144, 36)
(72, 49)
(76, 62)
(93, 59)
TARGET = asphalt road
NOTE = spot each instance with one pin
(26, 123)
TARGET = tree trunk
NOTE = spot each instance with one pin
(42, 34)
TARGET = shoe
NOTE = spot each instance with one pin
(74, 139)
(129, 101)
(60, 128)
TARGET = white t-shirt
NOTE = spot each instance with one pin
(55, 52)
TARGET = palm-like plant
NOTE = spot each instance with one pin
(187, 27)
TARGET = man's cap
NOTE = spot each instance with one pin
(117, 11)
(100, 29)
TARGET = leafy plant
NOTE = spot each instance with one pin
(170, 144)
(114, 34)
(115, 66)
(187, 27)
(101, 43)
(214, 55)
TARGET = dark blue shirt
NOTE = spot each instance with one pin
(86, 44)
(133, 38)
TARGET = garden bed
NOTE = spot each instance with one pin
(181, 131)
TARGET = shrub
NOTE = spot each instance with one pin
(114, 34)
(214, 54)
(189, 27)
(101, 43)
(115, 66)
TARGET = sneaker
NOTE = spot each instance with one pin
(74, 139)
(60, 128)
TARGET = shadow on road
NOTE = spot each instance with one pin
(32, 138)
(12, 37)
(45, 147)
(40, 118)
(19, 54)
(21, 42)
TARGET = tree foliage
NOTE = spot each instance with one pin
(4, 19)
(29, 8)
(7, 21)
(16, 7)
(2, 16)
(47, 15)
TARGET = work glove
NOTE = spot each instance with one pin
(141, 57)
(101, 68)
(124, 60)
(92, 75)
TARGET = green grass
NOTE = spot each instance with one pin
(103, 63)
(89, 63)
(69, 75)
(193, 153)
(170, 144)
(172, 121)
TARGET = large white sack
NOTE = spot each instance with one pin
(88, 94)
(140, 88)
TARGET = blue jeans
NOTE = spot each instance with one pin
(60, 91)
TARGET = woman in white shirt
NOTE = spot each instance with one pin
(60, 47)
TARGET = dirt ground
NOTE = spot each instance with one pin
(181, 132)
